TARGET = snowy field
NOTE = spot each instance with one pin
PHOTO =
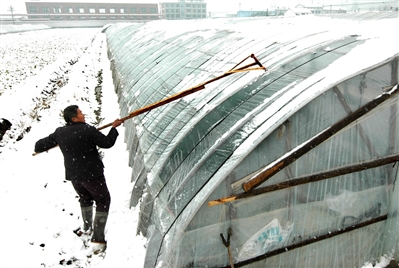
(41, 73)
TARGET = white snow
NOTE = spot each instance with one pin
(41, 73)
(39, 209)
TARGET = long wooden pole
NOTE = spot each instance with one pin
(291, 157)
(309, 179)
(189, 91)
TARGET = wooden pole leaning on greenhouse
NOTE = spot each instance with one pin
(249, 186)
(284, 161)
(226, 243)
(235, 69)
(315, 177)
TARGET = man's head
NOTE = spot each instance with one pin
(72, 114)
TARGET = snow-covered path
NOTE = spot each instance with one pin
(39, 208)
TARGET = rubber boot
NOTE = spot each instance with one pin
(98, 243)
(100, 220)
(87, 217)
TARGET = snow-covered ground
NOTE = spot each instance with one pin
(42, 72)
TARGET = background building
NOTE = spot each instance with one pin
(184, 9)
(91, 11)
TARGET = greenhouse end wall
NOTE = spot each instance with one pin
(289, 167)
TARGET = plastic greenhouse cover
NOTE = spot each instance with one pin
(182, 152)
(360, 208)
(237, 139)
(217, 107)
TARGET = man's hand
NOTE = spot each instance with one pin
(117, 123)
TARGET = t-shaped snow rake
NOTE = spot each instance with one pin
(189, 91)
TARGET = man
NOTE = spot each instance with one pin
(78, 142)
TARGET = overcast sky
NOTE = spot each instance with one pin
(213, 5)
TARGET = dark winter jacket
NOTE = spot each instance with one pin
(78, 143)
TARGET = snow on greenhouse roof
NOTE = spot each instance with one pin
(183, 153)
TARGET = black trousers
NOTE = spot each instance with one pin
(91, 191)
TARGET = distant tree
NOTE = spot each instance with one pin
(11, 9)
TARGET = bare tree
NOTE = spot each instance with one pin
(11, 9)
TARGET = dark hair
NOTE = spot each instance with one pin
(70, 112)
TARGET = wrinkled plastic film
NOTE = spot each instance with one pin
(201, 147)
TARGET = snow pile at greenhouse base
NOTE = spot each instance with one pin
(294, 166)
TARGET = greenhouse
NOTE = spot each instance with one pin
(283, 153)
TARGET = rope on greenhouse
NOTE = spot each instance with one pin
(235, 69)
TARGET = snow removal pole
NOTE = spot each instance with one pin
(189, 91)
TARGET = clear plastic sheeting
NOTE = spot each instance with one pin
(317, 132)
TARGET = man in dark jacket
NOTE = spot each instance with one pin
(78, 142)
